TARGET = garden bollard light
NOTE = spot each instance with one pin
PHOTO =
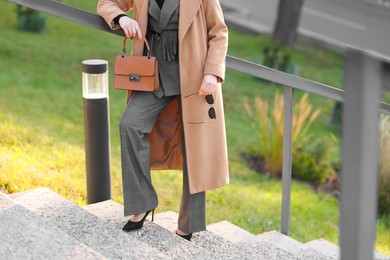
(96, 130)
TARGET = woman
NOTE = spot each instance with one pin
(180, 126)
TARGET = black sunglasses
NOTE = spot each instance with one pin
(210, 101)
(212, 113)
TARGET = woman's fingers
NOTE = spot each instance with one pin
(130, 27)
(130, 32)
(208, 86)
(134, 30)
(203, 88)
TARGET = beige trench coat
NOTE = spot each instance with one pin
(202, 50)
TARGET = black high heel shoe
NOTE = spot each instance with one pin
(130, 225)
(187, 237)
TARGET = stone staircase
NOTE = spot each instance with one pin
(40, 224)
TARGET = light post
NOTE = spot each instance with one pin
(96, 129)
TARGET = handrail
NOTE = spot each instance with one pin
(287, 79)
(354, 108)
(69, 13)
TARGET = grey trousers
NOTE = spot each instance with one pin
(139, 194)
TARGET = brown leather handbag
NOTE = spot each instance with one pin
(136, 72)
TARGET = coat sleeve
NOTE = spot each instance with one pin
(217, 36)
(109, 9)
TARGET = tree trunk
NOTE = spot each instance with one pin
(286, 28)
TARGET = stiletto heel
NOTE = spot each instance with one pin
(187, 237)
(130, 225)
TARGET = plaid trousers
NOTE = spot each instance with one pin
(139, 194)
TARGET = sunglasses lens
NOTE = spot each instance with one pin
(210, 99)
(212, 113)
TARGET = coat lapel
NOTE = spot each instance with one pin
(154, 10)
(188, 10)
(167, 10)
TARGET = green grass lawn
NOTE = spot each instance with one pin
(42, 138)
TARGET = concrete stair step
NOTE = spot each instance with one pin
(225, 248)
(14, 196)
(49, 226)
(109, 211)
(153, 234)
(58, 212)
(291, 245)
(332, 250)
(231, 232)
(325, 247)
(215, 246)
(26, 236)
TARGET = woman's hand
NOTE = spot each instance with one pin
(130, 27)
(209, 85)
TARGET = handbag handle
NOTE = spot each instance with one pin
(124, 46)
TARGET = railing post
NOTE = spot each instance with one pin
(97, 130)
(287, 158)
(360, 155)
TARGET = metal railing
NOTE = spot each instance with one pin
(360, 121)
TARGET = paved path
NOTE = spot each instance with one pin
(336, 22)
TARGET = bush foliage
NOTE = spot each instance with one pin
(304, 167)
(384, 180)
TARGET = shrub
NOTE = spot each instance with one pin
(268, 126)
(384, 167)
(277, 56)
(304, 167)
(384, 200)
(30, 19)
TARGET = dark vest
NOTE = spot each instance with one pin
(162, 35)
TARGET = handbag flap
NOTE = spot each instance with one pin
(129, 64)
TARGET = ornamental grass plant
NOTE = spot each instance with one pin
(268, 125)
